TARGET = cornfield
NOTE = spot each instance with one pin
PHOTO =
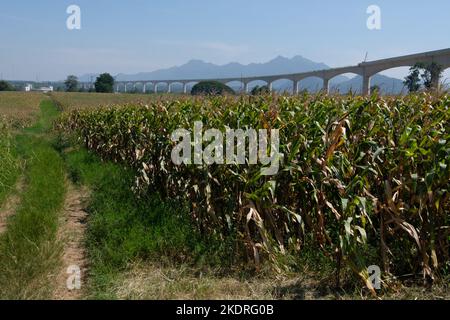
(364, 180)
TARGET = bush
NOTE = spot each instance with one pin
(6, 86)
(104, 83)
(260, 90)
(211, 88)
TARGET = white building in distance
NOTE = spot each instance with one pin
(29, 87)
(45, 89)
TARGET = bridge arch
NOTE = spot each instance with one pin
(120, 87)
(236, 85)
(172, 84)
(375, 69)
(158, 85)
(189, 85)
(312, 84)
(128, 86)
(285, 85)
(352, 83)
(138, 86)
(390, 80)
(252, 84)
(147, 86)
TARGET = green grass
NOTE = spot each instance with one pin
(9, 169)
(48, 114)
(29, 252)
(123, 229)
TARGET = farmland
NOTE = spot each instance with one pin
(70, 101)
(363, 182)
(19, 109)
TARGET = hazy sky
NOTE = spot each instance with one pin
(143, 35)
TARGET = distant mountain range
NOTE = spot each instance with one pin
(197, 69)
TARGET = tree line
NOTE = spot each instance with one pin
(103, 84)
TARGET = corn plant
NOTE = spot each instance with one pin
(359, 175)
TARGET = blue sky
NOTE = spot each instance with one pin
(143, 35)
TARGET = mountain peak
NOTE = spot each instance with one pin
(279, 59)
(196, 61)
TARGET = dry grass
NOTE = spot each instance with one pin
(19, 108)
(9, 207)
(152, 282)
(155, 282)
(76, 100)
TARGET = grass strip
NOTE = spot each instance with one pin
(29, 252)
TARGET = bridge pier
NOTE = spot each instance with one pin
(326, 86)
(144, 89)
(185, 88)
(295, 88)
(156, 88)
(366, 84)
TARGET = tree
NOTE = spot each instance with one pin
(428, 74)
(104, 83)
(260, 90)
(432, 75)
(211, 88)
(6, 86)
(412, 81)
(71, 83)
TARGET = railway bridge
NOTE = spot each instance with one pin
(365, 69)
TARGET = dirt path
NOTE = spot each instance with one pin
(71, 234)
(9, 208)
